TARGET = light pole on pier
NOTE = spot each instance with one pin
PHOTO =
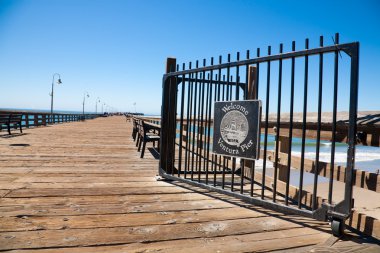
(84, 99)
(96, 105)
(52, 92)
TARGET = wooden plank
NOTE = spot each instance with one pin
(29, 223)
(118, 235)
(82, 185)
(86, 209)
(50, 192)
(257, 242)
(366, 224)
(103, 199)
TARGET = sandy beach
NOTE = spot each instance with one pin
(366, 202)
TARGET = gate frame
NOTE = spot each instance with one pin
(337, 213)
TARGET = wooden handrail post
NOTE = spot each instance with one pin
(27, 120)
(283, 142)
(35, 120)
(251, 94)
(252, 83)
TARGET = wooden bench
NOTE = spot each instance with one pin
(134, 129)
(12, 119)
(150, 133)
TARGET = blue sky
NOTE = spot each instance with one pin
(116, 50)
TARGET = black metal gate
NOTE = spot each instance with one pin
(292, 86)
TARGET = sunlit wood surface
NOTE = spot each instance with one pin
(82, 187)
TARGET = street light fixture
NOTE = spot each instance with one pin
(52, 91)
(96, 105)
(84, 99)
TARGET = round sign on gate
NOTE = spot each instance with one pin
(234, 128)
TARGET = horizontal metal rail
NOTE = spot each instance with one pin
(307, 52)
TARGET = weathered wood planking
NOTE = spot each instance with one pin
(81, 187)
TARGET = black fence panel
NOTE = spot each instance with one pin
(301, 93)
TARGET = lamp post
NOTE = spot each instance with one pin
(96, 105)
(52, 93)
(84, 99)
(134, 104)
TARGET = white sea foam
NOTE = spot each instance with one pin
(341, 157)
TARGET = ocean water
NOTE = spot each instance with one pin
(31, 117)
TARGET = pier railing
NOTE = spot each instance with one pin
(36, 119)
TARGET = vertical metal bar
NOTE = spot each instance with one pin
(219, 77)
(205, 124)
(233, 173)
(181, 123)
(266, 127)
(300, 187)
(200, 131)
(224, 172)
(333, 137)
(174, 118)
(230, 83)
(278, 126)
(218, 99)
(228, 76)
(246, 76)
(224, 77)
(188, 121)
(216, 88)
(224, 158)
(242, 167)
(243, 160)
(236, 98)
(289, 164)
(209, 119)
(215, 164)
(237, 77)
(194, 125)
(316, 169)
(253, 162)
(173, 123)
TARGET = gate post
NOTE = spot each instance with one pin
(354, 80)
(252, 91)
(168, 120)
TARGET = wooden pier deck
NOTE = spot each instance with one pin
(81, 187)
